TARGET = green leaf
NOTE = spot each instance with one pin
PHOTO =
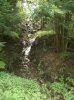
(2, 64)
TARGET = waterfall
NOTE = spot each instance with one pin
(26, 50)
(27, 46)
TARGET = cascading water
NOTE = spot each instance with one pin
(25, 53)
(27, 27)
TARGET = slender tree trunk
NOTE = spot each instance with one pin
(62, 32)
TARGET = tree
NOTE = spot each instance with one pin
(9, 19)
(10, 22)
(60, 14)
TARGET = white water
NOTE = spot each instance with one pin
(26, 49)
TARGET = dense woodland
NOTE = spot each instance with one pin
(36, 49)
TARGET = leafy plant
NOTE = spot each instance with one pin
(71, 80)
(69, 95)
(59, 89)
(67, 54)
(16, 88)
(2, 64)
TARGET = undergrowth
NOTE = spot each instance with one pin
(17, 88)
(60, 89)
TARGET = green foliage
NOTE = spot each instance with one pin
(67, 54)
(69, 95)
(57, 15)
(42, 10)
(2, 45)
(10, 22)
(16, 88)
(2, 64)
(71, 27)
(13, 34)
(43, 33)
(9, 19)
(71, 80)
(60, 89)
